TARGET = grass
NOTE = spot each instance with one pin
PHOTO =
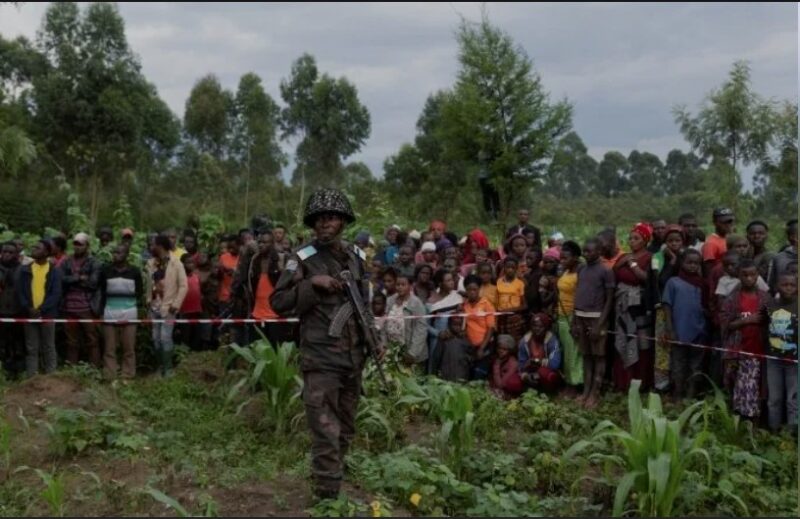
(184, 446)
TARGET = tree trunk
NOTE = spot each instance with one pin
(94, 210)
(247, 189)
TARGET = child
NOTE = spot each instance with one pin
(548, 295)
(404, 264)
(594, 297)
(567, 288)
(480, 324)
(505, 381)
(782, 374)
(730, 277)
(550, 262)
(412, 334)
(742, 321)
(540, 356)
(488, 287)
(685, 322)
(389, 278)
(192, 307)
(456, 351)
(510, 298)
(378, 309)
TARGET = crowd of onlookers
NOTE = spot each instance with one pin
(532, 312)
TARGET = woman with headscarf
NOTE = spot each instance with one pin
(633, 311)
(476, 240)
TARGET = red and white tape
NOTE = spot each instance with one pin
(217, 321)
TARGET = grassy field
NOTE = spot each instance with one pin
(212, 441)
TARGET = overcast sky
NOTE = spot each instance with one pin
(623, 66)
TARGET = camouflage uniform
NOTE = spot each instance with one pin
(331, 364)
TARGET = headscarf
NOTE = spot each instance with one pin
(644, 230)
(443, 244)
(553, 252)
(478, 237)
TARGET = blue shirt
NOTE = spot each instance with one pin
(685, 301)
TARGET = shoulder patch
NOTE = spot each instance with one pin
(361, 253)
(291, 265)
(306, 252)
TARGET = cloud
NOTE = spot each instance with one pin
(623, 66)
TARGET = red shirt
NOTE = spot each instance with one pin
(192, 303)
(625, 274)
(714, 248)
(752, 334)
(505, 376)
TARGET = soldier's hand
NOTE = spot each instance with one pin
(326, 283)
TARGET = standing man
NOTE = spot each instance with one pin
(331, 359)
(659, 235)
(689, 223)
(80, 277)
(121, 285)
(12, 338)
(522, 225)
(716, 246)
(786, 259)
(39, 294)
(757, 234)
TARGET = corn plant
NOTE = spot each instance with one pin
(728, 427)
(54, 491)
(373, 424)
(166, 500)
(456, 438)
(655, 454)
(275, 372)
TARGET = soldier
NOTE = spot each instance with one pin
(331, 359)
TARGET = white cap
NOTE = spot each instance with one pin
(428, 246)
(414, 235)
(557, 236)
(81, 237)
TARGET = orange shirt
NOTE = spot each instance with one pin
(262, 309)
(477, 325)
(509, 295)
(227, 261)
(714, 248)
(609, 263)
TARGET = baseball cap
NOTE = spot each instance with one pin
(81, 237)
(414, 235)
(428, 246)
(723, 212)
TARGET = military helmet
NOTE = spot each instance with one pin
(327, 200)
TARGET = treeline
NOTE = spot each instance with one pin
(85, 139)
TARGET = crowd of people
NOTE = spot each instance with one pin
(534, 313)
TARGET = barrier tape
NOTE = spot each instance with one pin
(26, 320)
(712, 348)
(49, 320)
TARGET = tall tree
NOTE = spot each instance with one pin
(733, 124)
(645, 173)
(501, 117)
(328, 118)
(255, 144)
(208, 116)
(92, 108)
(572, 169)
(776, 176)
(610, 179)
(681, 172)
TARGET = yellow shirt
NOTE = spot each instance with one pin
(509, 295)
(567, 286)
(177, 252)
(38, 283)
